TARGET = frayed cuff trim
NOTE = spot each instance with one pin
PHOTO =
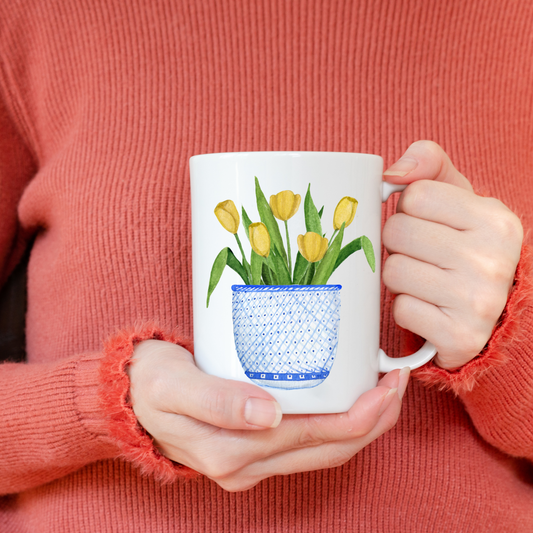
(134, 442)
(507, 331)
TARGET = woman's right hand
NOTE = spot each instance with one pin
(233, 432)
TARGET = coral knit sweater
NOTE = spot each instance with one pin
(102, 103)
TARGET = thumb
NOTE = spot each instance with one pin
(164, 377)
(425, 160)
(227, 403)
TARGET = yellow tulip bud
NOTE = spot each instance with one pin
(285, 204)
(228, 216)
(312, 246)
(259, 239)
(344, 212)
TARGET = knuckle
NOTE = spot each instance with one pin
(401, 310)
(486, 300)
(217, 404)
(416, 196)
(389, 274)
(338, 458)
(235, 484)
(309, 435)
(496, 270)
(481, 304)
(428, 146)
(468, 342)
(157, 389)
(394, 229)
(504, 222)
(306, 438)
(218, 469)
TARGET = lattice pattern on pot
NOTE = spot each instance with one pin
(286, 329)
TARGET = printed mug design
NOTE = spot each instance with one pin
(286, 336)
(286, 317)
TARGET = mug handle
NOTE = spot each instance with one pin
(428, 351)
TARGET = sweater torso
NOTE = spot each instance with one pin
(112, 98)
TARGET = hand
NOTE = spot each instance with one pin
(453, 255)
(227, 429)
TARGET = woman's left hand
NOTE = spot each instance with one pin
(453, 255)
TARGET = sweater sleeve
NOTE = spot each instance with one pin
(496, 387)
(57, 417)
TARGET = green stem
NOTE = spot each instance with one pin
(333, 236)
(240, 245)
(244, 262)
(288, 248)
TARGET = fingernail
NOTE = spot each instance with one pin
(387, 399)
(263, 413)
(402, 167)
(403, 381)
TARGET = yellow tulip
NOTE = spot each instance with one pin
(312, 246)
(344, 212)
(259, 239)
(228, 216)
(285, 204)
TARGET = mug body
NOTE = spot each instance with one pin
(286, 336)
(311, 342)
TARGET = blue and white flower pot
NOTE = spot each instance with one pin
(286, 336)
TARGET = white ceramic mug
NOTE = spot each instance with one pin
(303, 324)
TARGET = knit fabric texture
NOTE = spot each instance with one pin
(102, 104)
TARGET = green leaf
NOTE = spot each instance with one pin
(246, 222)
(235, 265)
(307, 275)
(225, 257)
(327, 265)
(312, 218)
(268, 219)
(369, 252)
(280, 267)
(268, 275)
(216, 272)
(348, 250)
(300, 266)
(321, 212)
(257, 268)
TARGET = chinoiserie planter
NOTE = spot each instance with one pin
(286, 336)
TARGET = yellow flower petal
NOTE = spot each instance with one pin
(259, 239)
(312, 246)
(285, 204)
(344, 212)
(228, 216)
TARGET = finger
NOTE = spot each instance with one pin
(243, 448)
(326, 455)
(423, 240)
(443, 203)
(302, 431)
(457, 339)
(425, 160)
(226, 403)
(237, 405)
(294, 432)
(390, 380)
(405, 275)
(182, 388)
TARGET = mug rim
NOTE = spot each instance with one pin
(294, 153)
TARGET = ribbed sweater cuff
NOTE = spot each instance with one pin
(509, 332)
(51, 421)
(134, 442)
